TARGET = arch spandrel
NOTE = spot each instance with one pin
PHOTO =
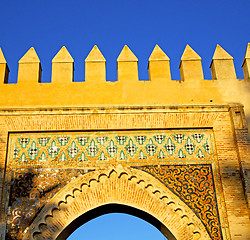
(119, 185)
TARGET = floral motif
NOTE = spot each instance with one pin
(151, 148)
(170, 147)
(82, 157)
(141, 155)
(43, 158)
(83, 140)
(63, 140)
(111, 149)
(122, 156)
(73, 150)
(63, 157)
(33, 151)
(15, 152)
(92, 148)
(161, 155)
(102, 140)
(179, 137)
(53, 150)
(160, 138)
(207, 147)
(189, 146)
(198, 137)
(23, 158)
(43, 141)
(102, 156)
(23, 142)
(121, 139)
(181, 154)
(131, 148)
(140, 139)
(200, 154)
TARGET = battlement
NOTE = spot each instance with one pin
(127, 90)
(69, 148)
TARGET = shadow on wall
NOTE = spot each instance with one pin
(30, 191)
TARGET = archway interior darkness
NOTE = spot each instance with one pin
(114, 208)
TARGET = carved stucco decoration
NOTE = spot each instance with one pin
(119, 185)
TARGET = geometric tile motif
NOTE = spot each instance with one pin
(30, 190)
(194, 185)
(70, 148)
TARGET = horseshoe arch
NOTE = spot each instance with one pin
(127, 187)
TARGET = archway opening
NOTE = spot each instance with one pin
(115, 226)
(115, 208)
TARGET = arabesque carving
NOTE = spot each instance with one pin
(116, 185)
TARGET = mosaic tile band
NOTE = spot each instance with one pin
(83, 148)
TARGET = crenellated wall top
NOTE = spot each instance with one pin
(160, 89)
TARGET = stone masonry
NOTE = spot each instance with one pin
(177, 151)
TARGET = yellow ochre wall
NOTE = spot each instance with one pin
(160, 103)
(127, 90)
(95, 91)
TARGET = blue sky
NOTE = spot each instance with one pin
(79, 25)
(47, 25)
(117, 226)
